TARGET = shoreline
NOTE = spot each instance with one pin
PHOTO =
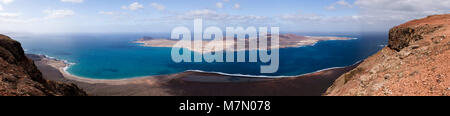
(143, 44)
(62, 67)
(66, 65)
(300, 39)
(196, 83)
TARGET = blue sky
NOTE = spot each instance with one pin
(103, 16)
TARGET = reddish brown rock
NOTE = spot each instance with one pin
(20, 77)
(416, 62)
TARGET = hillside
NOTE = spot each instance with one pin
(416, 62)
(20, 77)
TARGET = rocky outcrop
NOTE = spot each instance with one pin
(401, 37)
(20, 77)
(416, 62)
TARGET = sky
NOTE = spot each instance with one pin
(145, 16)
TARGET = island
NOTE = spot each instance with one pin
(285, 41)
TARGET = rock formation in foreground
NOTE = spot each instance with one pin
(416, 62)
(20, 77)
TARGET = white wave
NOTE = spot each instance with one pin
(54, 58)
(262, 76)
(239, 75)
(69, 64)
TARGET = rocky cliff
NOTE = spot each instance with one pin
(416, 62)
(20, 77)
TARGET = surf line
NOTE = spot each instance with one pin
(214, 50)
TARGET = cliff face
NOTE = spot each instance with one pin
(20, 77)
(416, 62)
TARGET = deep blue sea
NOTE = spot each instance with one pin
(114, 56)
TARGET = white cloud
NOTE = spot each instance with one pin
(389, 13)
(203, 13)
(106, 13)
(5, 14)
(7, 1)
(58, 13)
(237, 6)
(320, 23)
(6, 17)
(17, 18)
(158, 7)
(420, 6)
(372, 15)
(133, 6)
(73, 1)
(219, 5)
(215, 16)
(117, 16)
(340, 3)
(319, 19)
(344, 3)
(331, 7)
(11, 20)
(1, 7)
(302, 17)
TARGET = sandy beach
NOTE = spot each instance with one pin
(194, 83)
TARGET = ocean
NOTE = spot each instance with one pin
(114, 56)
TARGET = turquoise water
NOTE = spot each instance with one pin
(114, 56)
